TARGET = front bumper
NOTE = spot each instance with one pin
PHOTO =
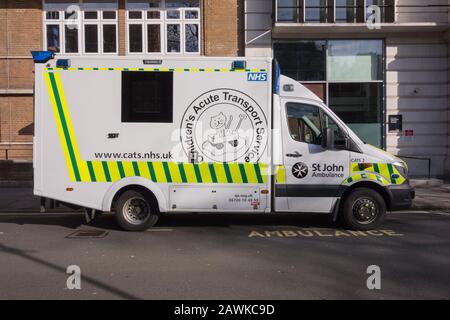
(401, 196)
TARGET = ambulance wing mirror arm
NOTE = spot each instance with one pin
(328, 139)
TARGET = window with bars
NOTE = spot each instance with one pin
(81, 27)
(335, 11)
(163, 27)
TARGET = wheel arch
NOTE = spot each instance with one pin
(383, 191)
(138, 184)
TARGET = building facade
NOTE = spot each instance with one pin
(100, 28)
(381, 65)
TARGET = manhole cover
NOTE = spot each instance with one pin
(80, 234)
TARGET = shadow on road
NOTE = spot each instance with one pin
(27, 256)
(107, 221)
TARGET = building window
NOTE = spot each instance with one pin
(163, 27)
(335, 11)
(345, 11)
(287, 11)
(385, 8)
(359, 105)
(303, 60)
(315, 10)
(81, 27)
(147, 97)
(347, 74)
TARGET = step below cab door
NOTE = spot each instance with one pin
(313, 173)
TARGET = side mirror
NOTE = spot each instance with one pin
(328, 139)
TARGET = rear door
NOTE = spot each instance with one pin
(313, 175)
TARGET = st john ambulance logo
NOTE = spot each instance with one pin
(224, 125)
(300, 170)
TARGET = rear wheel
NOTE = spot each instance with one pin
(135, 211)
(364, 209)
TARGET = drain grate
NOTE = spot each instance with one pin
(82, 234)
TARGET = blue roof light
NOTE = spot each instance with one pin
(42, 56)
(63, 63)
(239, 65)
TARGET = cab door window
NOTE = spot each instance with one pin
(340, 138)
(304, 123)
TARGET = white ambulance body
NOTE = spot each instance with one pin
(142, 137)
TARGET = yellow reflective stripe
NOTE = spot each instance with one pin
(205, 173)
(159, 172)
(264, 171)
(221, 175)
(280, 174)
(190, 172)
(99, 172)
(371, 176)
(235, 173)
(250, 172)
(128, 169)
(144, 170)
(84, 171)
(114, 171)
(174, 172)
(82, 165)
(59, 127)
(384, 171)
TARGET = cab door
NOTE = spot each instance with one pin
(313, 173)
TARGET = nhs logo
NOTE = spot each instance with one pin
(257, 76)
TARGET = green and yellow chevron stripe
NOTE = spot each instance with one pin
(158, 69)
(160, 172)
(383, 173)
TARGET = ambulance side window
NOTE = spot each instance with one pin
(340, 138)
(304, 123)
(147, 97)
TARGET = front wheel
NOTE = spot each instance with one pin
(135, 211)
(364, 209)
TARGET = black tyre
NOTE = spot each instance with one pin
(364, 209)
(135, 211)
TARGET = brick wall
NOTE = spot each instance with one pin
(221, 30)
(122, 28)
(20, 32)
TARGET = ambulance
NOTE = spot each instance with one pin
(142, 136)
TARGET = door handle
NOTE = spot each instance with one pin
(294, 155)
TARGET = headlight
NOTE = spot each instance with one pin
(402, 168)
